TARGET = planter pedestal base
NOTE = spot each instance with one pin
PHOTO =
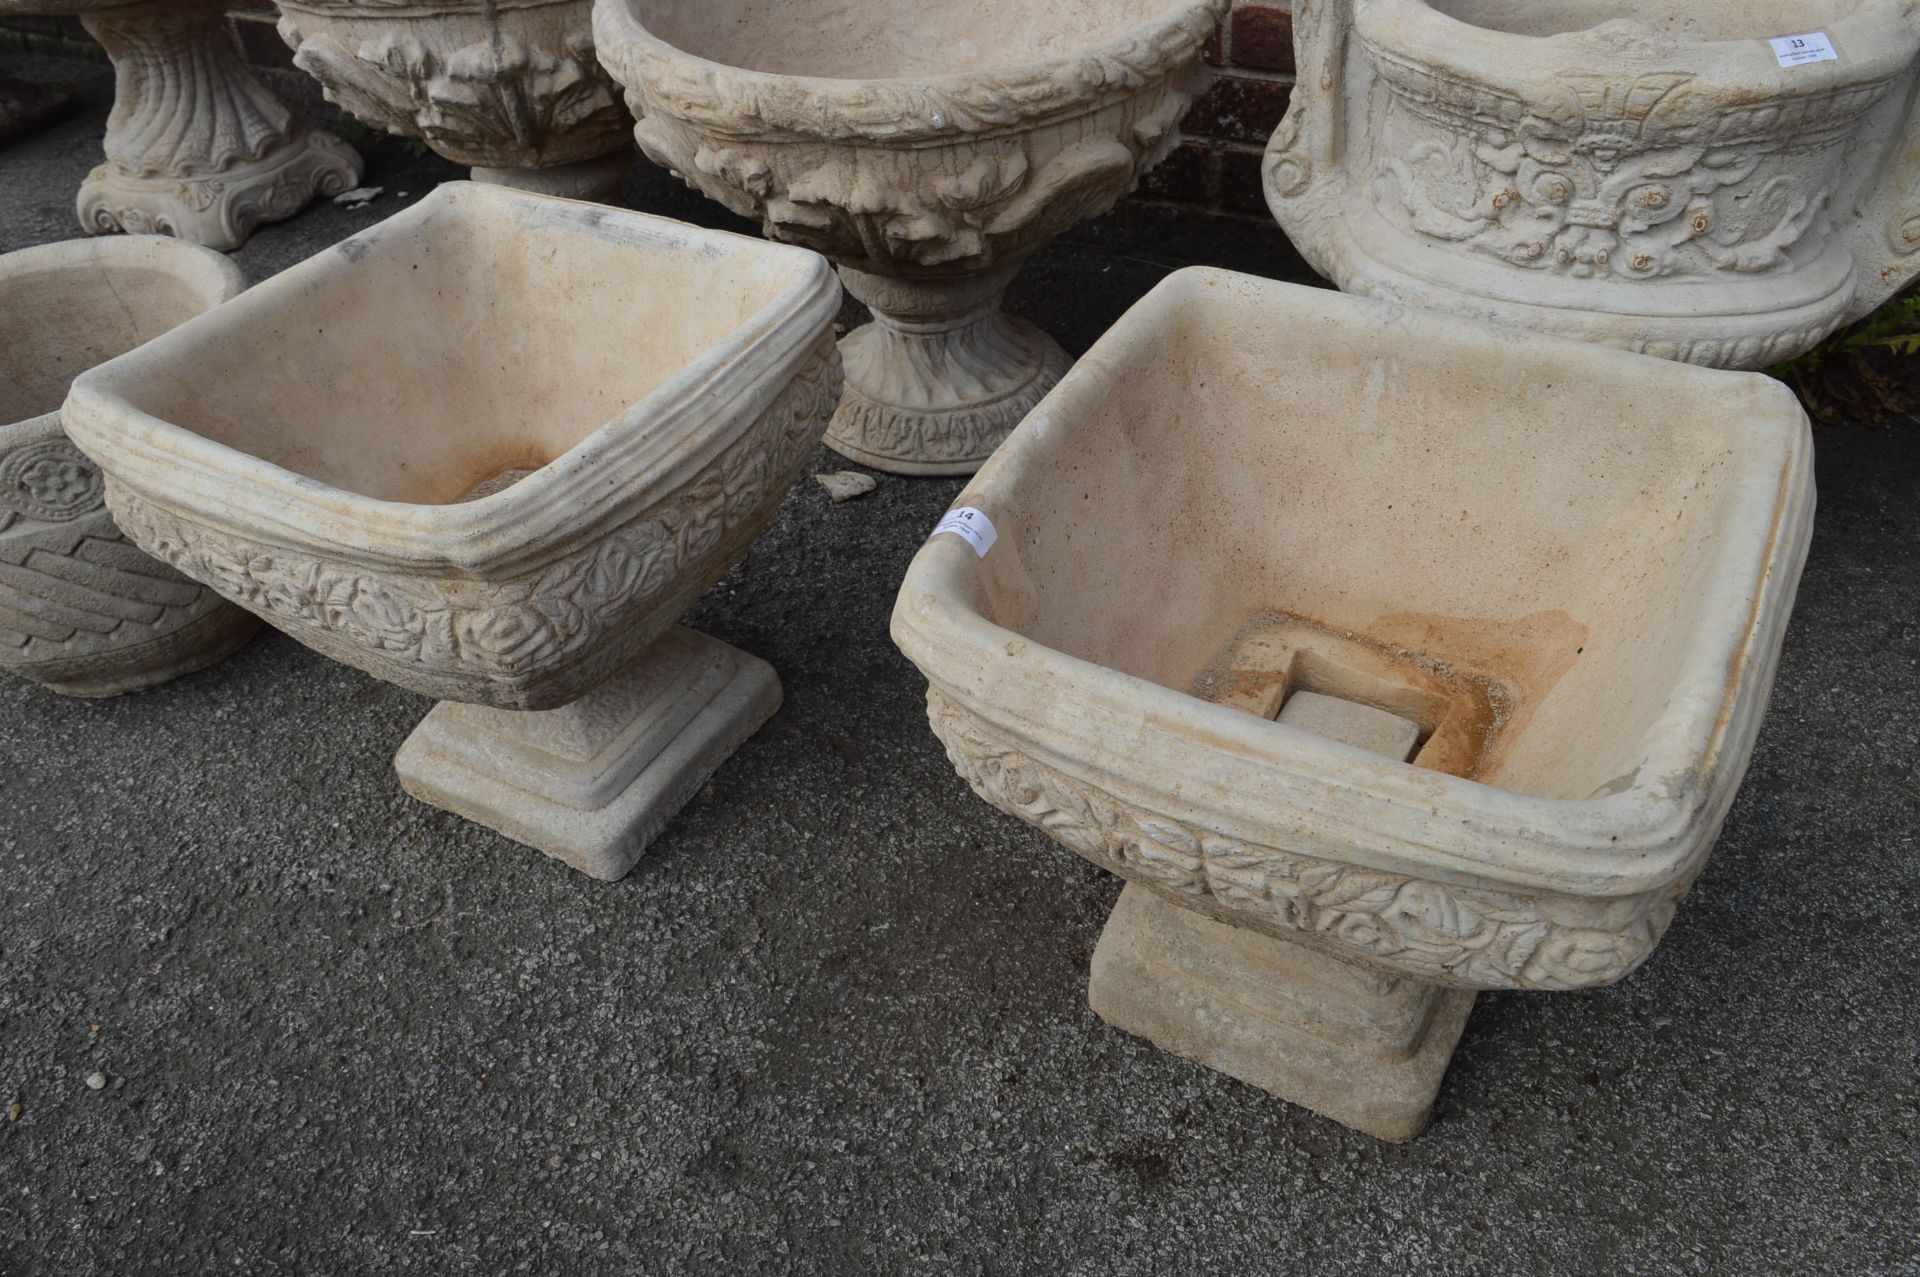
(592, 783)
(1362, 1048)
(597, 180)
(196, 146)
(940, 376)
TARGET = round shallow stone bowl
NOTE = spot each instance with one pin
(1659, 175)
(926, 149)
(511, 88)
(81, 610)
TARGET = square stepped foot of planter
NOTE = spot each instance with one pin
(1362, 1048)
(592, 783)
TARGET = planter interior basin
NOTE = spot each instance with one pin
(881, 39)
(470, 449)
(1569, 568)
(65, 308)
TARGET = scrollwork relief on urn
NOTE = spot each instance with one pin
(512, 90)
(928, 181)
(1667, 186)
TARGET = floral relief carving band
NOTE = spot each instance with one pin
(1672, 190)
(1465, 938)
(434, 635)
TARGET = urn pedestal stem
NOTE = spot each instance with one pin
(941, 375)
(597, 180)
(196, 146)
(593, 783)
(1363, 1048)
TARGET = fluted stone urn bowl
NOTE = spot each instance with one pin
(1722, 183)
(1379, 680)
(508, 87)
(928, 150)
(196, 146)
(81, 610)
(491, 450)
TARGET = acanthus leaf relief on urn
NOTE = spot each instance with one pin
(1669, 188)
(512, 89)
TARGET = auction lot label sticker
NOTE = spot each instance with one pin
(1798, 50)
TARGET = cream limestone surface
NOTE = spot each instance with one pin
(82, 611)
(927, 149)
(490, 450)
(196, 146)
(1643, 173)
(1577, 594)
(508, 87)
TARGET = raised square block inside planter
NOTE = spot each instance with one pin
(1560, 574)
(490, 450)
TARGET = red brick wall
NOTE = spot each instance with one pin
(1227, 131)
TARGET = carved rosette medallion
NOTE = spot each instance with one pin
(492, 85)
(1434, 932)
(81, 610)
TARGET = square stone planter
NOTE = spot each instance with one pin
(1388, 656)
(490, 450)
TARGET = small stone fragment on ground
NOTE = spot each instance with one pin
(96, 1081)
(845, 485)
(359, 196)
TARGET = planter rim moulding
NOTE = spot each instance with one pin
(197, 426)
(1610, 855)
(1640, 173)
(732, 97)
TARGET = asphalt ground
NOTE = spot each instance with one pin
(836, 1021)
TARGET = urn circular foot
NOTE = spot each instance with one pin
(940, 377)
(597, 180)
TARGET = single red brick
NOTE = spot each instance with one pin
(1241, 188)
(1263, 37)
(1184, 175)
(1213, 52)
(1239, 109)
